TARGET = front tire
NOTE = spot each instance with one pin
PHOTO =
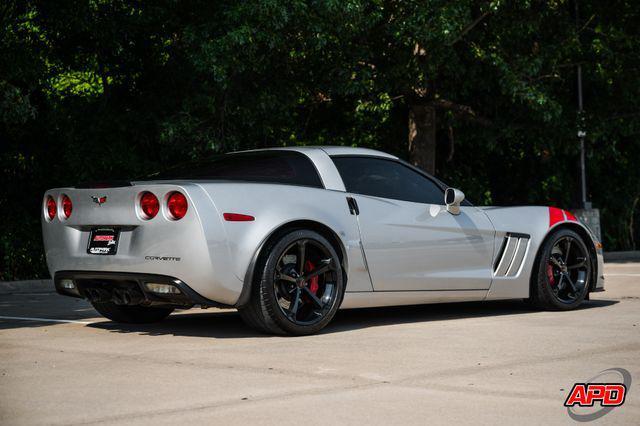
(131, 314)
(298, 285)
(563, 272)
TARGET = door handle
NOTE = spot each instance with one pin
(353, 206)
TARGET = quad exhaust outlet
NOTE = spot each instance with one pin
(119, 296)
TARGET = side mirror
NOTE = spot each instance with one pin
(452, 198)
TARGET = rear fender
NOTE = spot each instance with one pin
(322, 229)
(322, 209)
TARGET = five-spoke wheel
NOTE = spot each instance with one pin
(564, 271)
(305, 281)
(567, 269)
(298, 286)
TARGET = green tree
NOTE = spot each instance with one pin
(480, 92)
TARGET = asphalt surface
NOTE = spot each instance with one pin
(481, 363)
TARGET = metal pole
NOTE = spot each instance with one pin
(581, 132)
(581, 135)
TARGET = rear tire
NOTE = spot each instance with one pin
(282, 300)
(131, 314)
(563, 272)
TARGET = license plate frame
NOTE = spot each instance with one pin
(103, 241)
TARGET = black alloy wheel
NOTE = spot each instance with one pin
(564, 271)
(298, 285)
(304, 282)
(568, 269)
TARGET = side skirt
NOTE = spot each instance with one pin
(399, 298)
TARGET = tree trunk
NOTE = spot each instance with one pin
(422, 137)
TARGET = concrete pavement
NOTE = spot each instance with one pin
(482, 363)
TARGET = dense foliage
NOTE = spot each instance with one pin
(112, 88)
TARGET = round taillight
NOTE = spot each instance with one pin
(149, 205)
(51, 207)
(177, 205)
(67, 206)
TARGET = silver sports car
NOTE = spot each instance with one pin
(290, 235)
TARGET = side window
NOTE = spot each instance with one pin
(387, 179)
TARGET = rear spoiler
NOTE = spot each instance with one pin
(109, 184)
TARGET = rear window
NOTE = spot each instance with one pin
(285, 167)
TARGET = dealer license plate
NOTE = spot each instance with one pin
(103, 241)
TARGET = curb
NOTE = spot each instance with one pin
(622, 256)
(30, 286)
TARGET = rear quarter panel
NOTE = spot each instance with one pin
(274, 206)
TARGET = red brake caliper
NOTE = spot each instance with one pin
(313, 282)
(552, 280)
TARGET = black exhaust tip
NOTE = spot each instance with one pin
(96, 295)
(121, 296)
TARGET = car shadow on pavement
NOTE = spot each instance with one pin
(228, 324)
(375, 317)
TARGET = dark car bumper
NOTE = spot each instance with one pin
(128, 289)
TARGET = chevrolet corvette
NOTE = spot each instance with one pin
(287, 236)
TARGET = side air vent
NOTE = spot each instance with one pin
(511, 255)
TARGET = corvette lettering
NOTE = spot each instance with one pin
(163, 258)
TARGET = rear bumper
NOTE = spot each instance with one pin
(195, 249)
(108, 281)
